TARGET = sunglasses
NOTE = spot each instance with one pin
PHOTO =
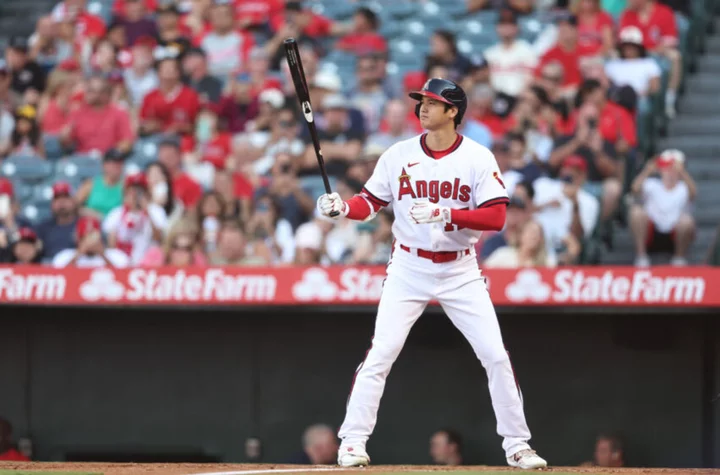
(286, 124)
(178, 247)
(552, 78)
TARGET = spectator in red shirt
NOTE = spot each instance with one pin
(256, 13)
(364, 37)
(184, 188)
(240, 107)
(8, 449)
(98, 125)
(566, 52)
(136, 21)
(660, 36)
(172, 107)
(87, 26)
(595, 28)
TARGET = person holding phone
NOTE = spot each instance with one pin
(90, 250)
(138, 223)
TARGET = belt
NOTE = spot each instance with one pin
(438, 257)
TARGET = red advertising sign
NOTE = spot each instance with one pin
(573, 286)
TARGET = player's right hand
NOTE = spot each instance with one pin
(331, 204)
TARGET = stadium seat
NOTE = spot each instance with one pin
(145, 149)
(401, 9)
(35, 213)
(26, 168)
(23, 191)
(78, 168)
(53, 147)
(314, 186)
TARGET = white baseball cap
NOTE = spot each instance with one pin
(327, 80)
(308, 236)
(274, 97)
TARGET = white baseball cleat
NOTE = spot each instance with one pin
(353, 457)
(526, 459)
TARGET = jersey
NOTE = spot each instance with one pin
(467, 177)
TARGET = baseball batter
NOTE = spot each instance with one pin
(445, 190)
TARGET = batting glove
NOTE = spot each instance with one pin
(331, 204)
(423, 212)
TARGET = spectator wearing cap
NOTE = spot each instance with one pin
(662, 222)
(270, 101)
(512, 60)
(25, 248)
(444, 51)
(90, 251)
(87, 26)
(368, 96)
(172, 107)
(136, 22)
(364, 36)
(239, 107)
(397, 127)
(518, 213)
(98, 125)
(633, 67)
(195, 70)
(564, 209)
(47, 48)
(340, 143)
(660, 37)
(227, 48)
(141, 78)
(28, 77)
(101, 194)
(185, 189)
(57, 232)
(138, 223)
(170, 35)
(25, 139)
(256, 13)
(595, 28)
(10, 219)
(566, 51)
(604, 132)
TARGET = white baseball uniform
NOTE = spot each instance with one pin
(467, 177)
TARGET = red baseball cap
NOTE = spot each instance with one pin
(6, 187)
(146, 41)
(668, 157)
(86, 225)
(69, 65)
(61, 188)
(414, 80)
(137, 179)
(27, 234)
(575, 161)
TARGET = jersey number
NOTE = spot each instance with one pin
(453, 227)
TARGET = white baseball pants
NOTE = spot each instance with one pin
(458, 286)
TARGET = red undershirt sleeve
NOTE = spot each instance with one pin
(359, 207)
(488, 218)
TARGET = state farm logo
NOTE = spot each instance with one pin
(102, 285)
(528, 285)
(314, 285)
(593, 287)
(150, 285)
(27, 288)
(352, 285)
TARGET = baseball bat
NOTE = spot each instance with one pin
(303, 94)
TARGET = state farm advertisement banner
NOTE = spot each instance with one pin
(577, 286)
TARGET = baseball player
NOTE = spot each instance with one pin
(445, 190)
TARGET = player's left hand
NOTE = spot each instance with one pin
(423, 212)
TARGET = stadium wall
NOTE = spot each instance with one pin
(80, 381)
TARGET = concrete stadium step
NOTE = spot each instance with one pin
(700, 104)
(708, 64)
(707, 170)
(693, 146)
(713, 45)
(703, 82)
(694, 126)
(624, 251)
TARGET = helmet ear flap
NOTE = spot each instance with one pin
(417, 110)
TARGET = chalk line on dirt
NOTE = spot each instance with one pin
(275, 470)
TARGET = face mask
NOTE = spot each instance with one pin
(211, 226)
(160, 192)
(4, 206)
(203, 129)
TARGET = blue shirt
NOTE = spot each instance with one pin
(56, 237)
(477, 132)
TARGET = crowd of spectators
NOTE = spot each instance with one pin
(233, 176)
